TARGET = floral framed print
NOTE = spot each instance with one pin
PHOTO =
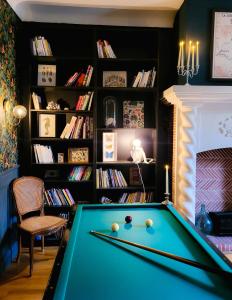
(221, 48)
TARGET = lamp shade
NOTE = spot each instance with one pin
(19, 112)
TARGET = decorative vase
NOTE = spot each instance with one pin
(203, 221)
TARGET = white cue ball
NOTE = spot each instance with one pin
(149, 222)
(115, 227)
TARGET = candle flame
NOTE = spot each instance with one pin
(166, 167)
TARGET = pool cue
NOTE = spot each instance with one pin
(166, 254)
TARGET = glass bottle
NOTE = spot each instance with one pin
(203, 221)
(110, 112)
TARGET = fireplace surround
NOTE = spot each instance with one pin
(202, 122)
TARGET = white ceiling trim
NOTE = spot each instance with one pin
(152, 13)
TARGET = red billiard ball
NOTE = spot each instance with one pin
(128, 219)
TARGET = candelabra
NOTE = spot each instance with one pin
(188, 72)
(192, 65)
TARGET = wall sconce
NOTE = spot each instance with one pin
(19, 112)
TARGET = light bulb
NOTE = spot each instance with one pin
(136, 143)
(19, 112)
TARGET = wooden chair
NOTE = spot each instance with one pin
(28, 193)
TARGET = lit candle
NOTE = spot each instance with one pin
(166, 181)
(179, 58)
(193, 53)
(197, 54)
(189, 52)
(182, 55)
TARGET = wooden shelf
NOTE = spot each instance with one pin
(63, 164)
(60, 140)
(71, 88)
(68, 181)
(53, 111)
(128, 89)
(129, 188)
(129, 163)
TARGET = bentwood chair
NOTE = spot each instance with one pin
(29, 196)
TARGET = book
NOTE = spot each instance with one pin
(133, 114)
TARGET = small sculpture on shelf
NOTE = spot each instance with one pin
(52, 106)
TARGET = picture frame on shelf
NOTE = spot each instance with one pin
(60, 158)
(47, 125)
(134, 177)
(109, 146)
(133, 114)
(46, 75)
(221, 45)
(114, 79)
(78, 155)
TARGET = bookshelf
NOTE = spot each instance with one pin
(74, 48)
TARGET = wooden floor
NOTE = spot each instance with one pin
(16, 285)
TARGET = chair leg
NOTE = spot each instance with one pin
(42, 243)
(31, 253)
(19, 247)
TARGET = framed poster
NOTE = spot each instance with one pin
(47, 125)
(78, 155)
(109, 147)
(221, 50)
(46, 75)
(114, 79)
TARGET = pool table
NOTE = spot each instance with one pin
(97, 268)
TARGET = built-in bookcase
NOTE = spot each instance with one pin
(74, 48)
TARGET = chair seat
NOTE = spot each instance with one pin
(42, 224)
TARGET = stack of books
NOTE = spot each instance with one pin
(136, 197)
(81, 173)
(40, 46)
(43, 154)
(80, 127)
(145, 79)
(58, 197)
(79, 79)
(104, 49)
(110, 178)
(84, 102)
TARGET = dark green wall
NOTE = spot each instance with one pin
(194, 22)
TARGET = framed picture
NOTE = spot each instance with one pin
(221, 49)
(47, 125)
(78, 155)
(133, 114)
(46, 75)
(60, 158)
(134, 177)
(109, 147)
(114, 79)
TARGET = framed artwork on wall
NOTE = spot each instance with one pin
(221, 48)
(47, 125)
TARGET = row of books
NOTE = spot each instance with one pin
(81, 78)
(104, 49)
(81, 173)
(136, 197)
(58, 197)
(80, 127)
(109, 178)
(84, 102)
(43, 154)
(145, 79)
(40, 46)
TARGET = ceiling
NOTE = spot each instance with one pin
(152, 13)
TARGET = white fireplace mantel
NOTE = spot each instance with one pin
(202, 121)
